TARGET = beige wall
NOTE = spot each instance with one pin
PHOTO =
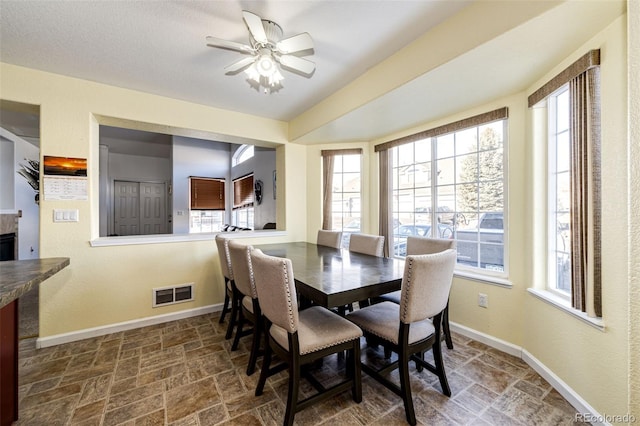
(594, 363)
(108, 285)
(633, 54)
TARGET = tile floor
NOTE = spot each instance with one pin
(183, 373)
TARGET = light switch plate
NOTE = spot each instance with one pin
(66, 215)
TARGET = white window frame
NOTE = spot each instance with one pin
(345, 239)
(552, 225)
(466, 269)
(242, 154)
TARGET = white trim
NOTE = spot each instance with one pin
(572, 397)
(483, 278)
(581, 406)
(494, 342)
(179, 238)
(58, 339)
(564, 305)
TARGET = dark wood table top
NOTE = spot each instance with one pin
(17, 277)
(336, 277)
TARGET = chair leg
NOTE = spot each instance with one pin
(445, 327)
(292, 394)
(239, 327)
(225, 307)
(255, 347)
(235, 307)
(355, 371)
(266, 364)
(439, 364)
(405, 386)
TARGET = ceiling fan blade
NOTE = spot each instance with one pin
(298, 64)
(228, 44)
(294, 44)
(238, 65)
(254, 23)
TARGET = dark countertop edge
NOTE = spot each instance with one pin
(32, 272)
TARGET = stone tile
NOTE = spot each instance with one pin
(139, 408)
(95, 388)
(37, 372)
(180, 338)
(152, 419)
(134, 394)
(183, 373)
(183, 400)
(491, 377)
(213, 415)
(88, 411)
(35, 400)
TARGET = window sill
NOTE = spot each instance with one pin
(564, 305)
(487, 279)
(178, 238)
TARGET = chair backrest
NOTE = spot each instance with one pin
(425, 245)
(426, 285)
(329, 238)
(367, 244)
(223, 252)
(276, 289)
(242, 271)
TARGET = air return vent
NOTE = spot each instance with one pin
(170, 295)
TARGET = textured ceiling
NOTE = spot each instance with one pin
(159, 47)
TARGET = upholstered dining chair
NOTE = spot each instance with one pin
(426, 245)
(299, 338)
(249, 307)
(231, 299)
(367, 244)
(407, 328)
(329, 238)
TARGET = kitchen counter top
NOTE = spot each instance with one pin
(17, 277)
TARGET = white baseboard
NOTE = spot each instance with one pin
(581, 406)
(58, 339)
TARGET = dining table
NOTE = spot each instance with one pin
(333, 277)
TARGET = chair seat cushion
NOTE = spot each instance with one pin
(383, 320)
(247, 303)
(391, 297)
(318, 328)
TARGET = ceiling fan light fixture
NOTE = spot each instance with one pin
(266, 65)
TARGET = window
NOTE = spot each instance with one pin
(559, 193)
(243, 202)
(207, 204)
(449, 182)
(574, 202)
(242, 154)
(342, 191)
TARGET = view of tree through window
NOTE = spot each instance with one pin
(455, 181)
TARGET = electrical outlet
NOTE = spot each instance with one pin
(483, 300)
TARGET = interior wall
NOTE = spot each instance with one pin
(594, 363)
(194, 157)
(111, 285)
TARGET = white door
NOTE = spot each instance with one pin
(126, 208)
(153, 216)
(139, 208)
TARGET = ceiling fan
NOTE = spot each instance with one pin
(267, 49)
